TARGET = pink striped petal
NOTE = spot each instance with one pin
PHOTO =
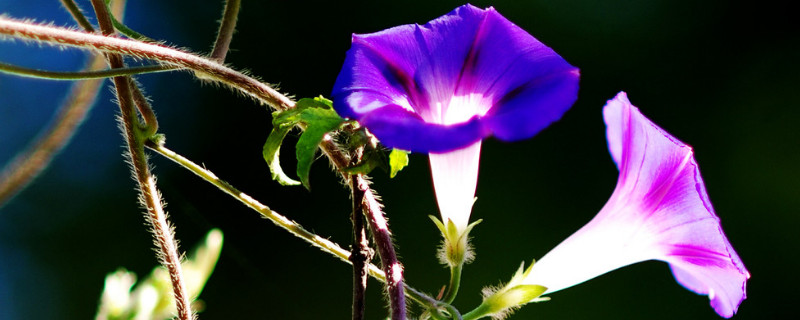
(658, 211)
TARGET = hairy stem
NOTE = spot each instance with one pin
(128, 32)
(204, 68)
(455, 283)
(28, 164)
(383, 240)
(226, 29)
(77, 14)
(149, 195)
(35, 158)
(80, 75)
(361, 254)
(359, 257)
(150, 126)
(283, 222)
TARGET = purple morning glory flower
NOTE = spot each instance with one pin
(658, 211)
(447, 85)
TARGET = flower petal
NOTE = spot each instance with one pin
(455, 176)
(402, 129)
(469, 65)
(420, 63)
(658, 211)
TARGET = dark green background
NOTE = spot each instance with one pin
(720, 75)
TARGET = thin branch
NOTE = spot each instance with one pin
(149, 195)
(80, 75)
(128, 32)
(117, 8)
(383, 240)
(281, 220)
(37, 156)
(204, 68)
(361, 254)
(226, 29)
(28, 164)
(150, 126)
(77, 14)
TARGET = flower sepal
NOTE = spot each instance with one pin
(501, 301)
(456, 249)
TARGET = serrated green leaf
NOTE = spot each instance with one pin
(271, 153)
(398, 159)
(319, 121)
(319, 118)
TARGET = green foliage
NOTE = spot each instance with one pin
(318, 118)
(398, 159)
(271, 153)
(152, 298)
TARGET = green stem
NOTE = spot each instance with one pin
(73, 9)
(455, 283)
(479, 312)
(128, 32)
(454, 314)
(283, 222)
(80, 75)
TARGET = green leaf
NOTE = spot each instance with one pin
(271, 153)
(319, 121)
(398, 159)
(318, 117)
(325, 101)
(318, 102)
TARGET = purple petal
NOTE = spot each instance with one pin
(469, 65)
(658, 211)
(402, 129)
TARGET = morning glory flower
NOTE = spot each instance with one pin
(442, 87)
(658, 211)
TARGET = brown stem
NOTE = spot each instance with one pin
(361, 253)
(210, 70)
(226, 29)
(204, 68)
(28, 164)
(149, 195)
(37, 156)
(383, 240)
(148, 115)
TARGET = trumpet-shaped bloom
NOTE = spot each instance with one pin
(442, 87)
(658, 211)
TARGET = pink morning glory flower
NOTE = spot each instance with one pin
(658, 211)
(442, 87)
